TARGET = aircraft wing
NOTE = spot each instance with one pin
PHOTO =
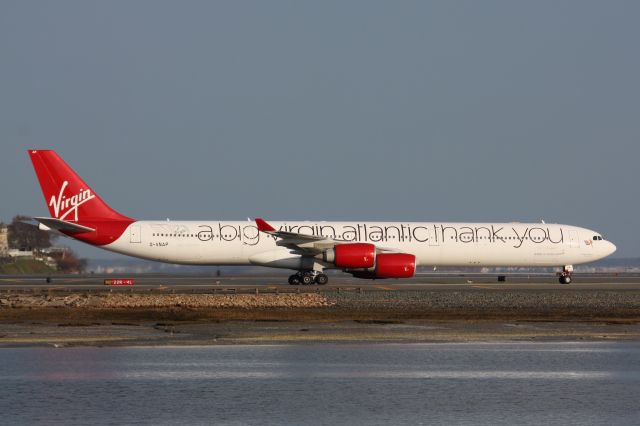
(300, 243)
(304, 244)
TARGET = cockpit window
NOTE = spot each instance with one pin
(597, 238)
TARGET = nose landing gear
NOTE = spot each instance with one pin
(308, 278)
(565, 275)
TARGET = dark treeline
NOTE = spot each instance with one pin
(25, 236)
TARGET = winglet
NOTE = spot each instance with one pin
(264, 226)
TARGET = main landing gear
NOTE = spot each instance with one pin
(308, 278)
(565, 275)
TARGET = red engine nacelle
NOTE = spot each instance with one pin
(395, 265)
(390, 265)
(356, 255)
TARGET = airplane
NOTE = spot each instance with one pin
(368, 250)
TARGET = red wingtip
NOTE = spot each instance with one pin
(264, 226)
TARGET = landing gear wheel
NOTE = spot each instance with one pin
(294, 279)
(565, 275)
(306, 279)
(565, 279)
(322, 279)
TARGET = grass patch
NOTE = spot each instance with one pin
(26, 266)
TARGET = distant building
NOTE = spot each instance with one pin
(20, 253)
(4, 240)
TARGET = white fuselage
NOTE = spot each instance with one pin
(433, 243)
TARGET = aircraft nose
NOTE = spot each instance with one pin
(610, 248)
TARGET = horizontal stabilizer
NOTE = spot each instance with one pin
(63, 225)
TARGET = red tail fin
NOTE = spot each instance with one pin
(66, 194)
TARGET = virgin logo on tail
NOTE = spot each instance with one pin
(63, 205)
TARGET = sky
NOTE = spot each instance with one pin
(333, 110)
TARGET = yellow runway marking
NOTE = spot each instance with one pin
(485, 287)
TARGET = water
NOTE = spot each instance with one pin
(354, 384)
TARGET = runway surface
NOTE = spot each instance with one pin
(266, 283)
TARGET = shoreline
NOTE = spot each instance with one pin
(156, 319)
(293, 332)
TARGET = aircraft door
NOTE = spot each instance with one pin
(135, 234)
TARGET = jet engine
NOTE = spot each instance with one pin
(348, 256)
(395, 265)
(390, 265)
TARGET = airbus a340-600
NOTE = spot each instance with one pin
(364, 249)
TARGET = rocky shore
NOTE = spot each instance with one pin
(411, 304)
(152, 301)
(120, 318)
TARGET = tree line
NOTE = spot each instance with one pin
(22, 235)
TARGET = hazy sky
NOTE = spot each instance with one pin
(451, 110)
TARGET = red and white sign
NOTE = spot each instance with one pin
(120, 281)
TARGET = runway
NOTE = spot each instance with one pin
(278, 283)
